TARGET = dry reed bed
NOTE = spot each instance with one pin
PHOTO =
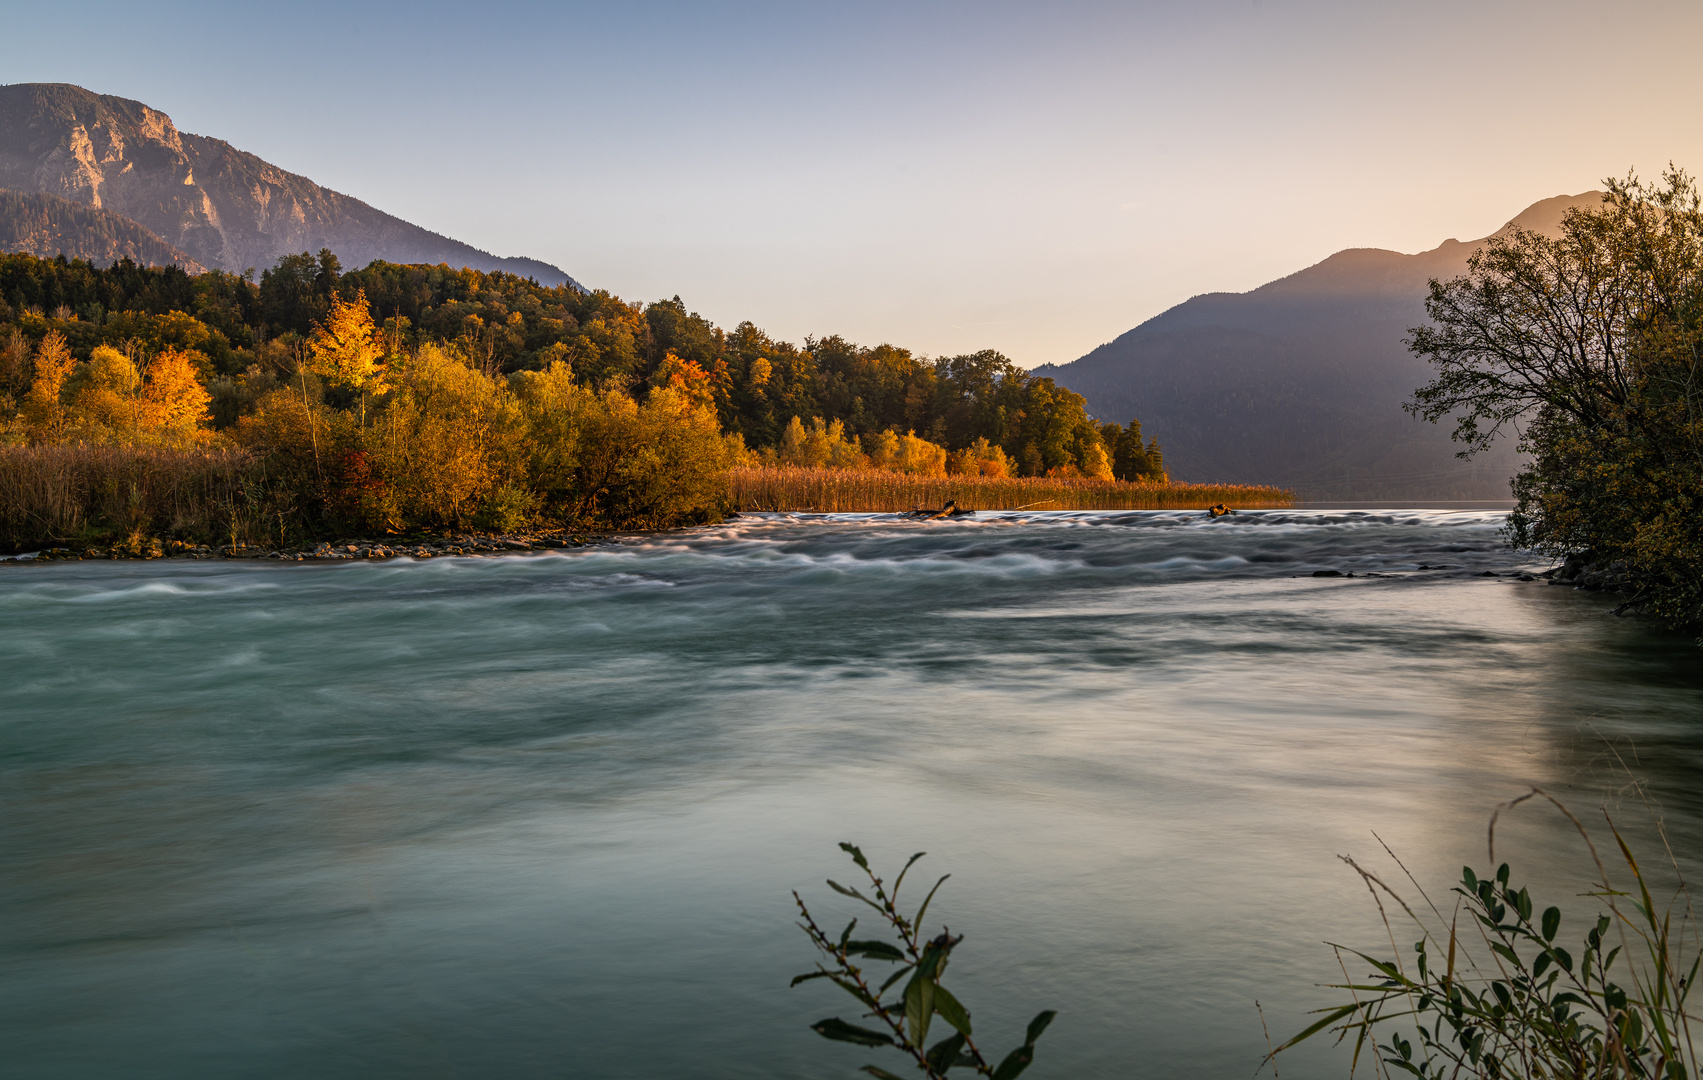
(869, 491)
(76, 491)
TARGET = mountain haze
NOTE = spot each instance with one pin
(217, 205)
(1300, 382)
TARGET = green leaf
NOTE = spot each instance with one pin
(895, 977)
(857, 855)
(1503, 950)
(951, 1011)
(851, 987)
(846, 935)
(901, 878)
(919, 1006)
(875, 950)
(1503, 994)
(840, 1031)
(922, 910)
(1039, 1024)
(1318, 1026)
(1014, 1063)
(1469, 879)
(854, 894)
(806, 978)
(929, 966)
(1551, 922)
(878, 1071)
(944, 1054)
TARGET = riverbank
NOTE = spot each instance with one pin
(419, 546)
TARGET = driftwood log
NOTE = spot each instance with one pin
(948, 511)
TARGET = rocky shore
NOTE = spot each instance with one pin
(412, 547)
(1587, 571)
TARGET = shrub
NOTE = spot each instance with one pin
(1504, 997)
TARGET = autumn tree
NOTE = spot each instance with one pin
(174, 399)
(346, 348)
(15, 362)
(43, 409)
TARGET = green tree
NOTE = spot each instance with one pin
(1131, 460)
(1589, 345)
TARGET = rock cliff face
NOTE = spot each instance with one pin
(1300, 382)
(220, 206)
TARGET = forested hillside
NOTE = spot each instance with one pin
(406, 395)
(46, 225)
(248, 336)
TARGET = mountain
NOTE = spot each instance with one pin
(1300, 382)
(45, 225)
(219, 206)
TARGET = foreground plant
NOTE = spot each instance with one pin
(1522, 1005)
(904, 1022)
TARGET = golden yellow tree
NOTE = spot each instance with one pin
(42, 407)
(347, 347)
(173, 401)
(104, 394)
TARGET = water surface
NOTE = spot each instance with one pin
(540, 816)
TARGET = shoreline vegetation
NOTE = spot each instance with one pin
(127, 501)
(1588, 346)
(146, 409)
(831, 491)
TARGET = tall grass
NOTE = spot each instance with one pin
(852, 491)
(79, 492)
(1493, 990)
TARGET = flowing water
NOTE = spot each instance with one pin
(540, 816)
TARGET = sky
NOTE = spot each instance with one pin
(1035, 178)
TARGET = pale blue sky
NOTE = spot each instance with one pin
(946, 176)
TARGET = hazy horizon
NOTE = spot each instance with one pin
(943, 177)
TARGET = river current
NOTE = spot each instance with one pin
(541, 816)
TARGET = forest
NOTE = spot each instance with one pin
(413, 396)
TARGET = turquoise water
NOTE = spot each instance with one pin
(540, 816)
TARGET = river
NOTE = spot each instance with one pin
(541, 815)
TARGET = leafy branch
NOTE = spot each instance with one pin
(903, 1021)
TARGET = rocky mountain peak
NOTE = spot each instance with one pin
(223, 207)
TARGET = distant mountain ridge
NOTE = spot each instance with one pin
(217, 205)
(1300, 382)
